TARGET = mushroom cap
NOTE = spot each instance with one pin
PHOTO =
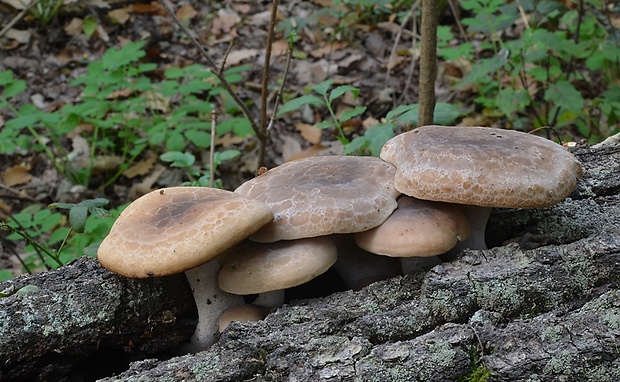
(174, 229)
(418, 228)
(481, 166)
(319, 196)
(252, 268)
(242, 313)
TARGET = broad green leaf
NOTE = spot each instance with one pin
(322, 87)
(340, 90)
(77, 218)
(564, 95)
(199, 138)
(14, 88)
(93, 203)
(324, 125)
(297, 103)
(352, 113)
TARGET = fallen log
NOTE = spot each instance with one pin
(544, 307)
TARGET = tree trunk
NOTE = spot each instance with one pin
(545, 307)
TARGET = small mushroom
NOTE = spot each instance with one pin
(182, 229)
(268, 269)
(481, 167)
(417, 231)
(242, 313)
(319, 196)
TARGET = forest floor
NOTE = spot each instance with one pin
(374, 52)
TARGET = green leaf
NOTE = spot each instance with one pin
(485, 68)
(378, 135)
(90, 25)
(94, 203)
(14, 88)
(297, 103)
(199, 138)
(77, 218)
(564, 95)
(324, 125)
(352, 113)
(340, 90)
(322, 87)
(226, 155)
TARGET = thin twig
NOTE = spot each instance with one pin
(19, 16)
(212, 150)
(414, 43)
(455, 13)
(265, 81)
(259, 133)
(280, 90)
(401, 27)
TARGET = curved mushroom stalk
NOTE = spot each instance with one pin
(477, 217)
(211, 302)
(358, 267)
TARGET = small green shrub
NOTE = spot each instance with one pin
(558, 72)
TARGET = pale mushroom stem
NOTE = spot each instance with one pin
(477, 217)
(211, 302)
(272, 299)
(356, 266)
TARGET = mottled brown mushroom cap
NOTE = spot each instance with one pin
(481, 166)
(252, 268)
(323, 195)
(174, 229)
(417, 228)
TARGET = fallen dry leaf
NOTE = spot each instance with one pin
(21, 36)
(327, 49)
(141, 168)
(228, 140)
(5, 210)
(310, 133)
(74, 27)
(236, 56)
(16, 175)
(311, 151)
(224, 22)
(154, 8)
(119, 16)
(185, 13)
(104, 163)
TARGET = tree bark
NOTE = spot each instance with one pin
(544, 307)
(82, 316)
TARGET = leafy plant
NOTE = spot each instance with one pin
(545, 76)
(121, 112)
(49, 239)
(196, 175)
(321, 95)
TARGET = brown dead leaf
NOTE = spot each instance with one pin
(236, 56)
(5, 210)
(141, 168)
(21, 36)
(228, 140)
(119, 16)
(144, 187)
(311, 151)
(16, 175)
(279, 48)
(224, 22)
(104, 163)
(310, 133)
(119, 94)
(74, 27)
(185, 13)
(154, 8)
(328, 48)
(157, 101)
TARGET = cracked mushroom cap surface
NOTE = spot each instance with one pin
(417, 228)
(323, 195)
(481, 166)
(252, 268)
(174, 229)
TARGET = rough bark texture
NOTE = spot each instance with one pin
(85, 321)
(548, 310)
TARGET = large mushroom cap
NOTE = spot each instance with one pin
(481, 166)
(418, 228)
(174, 229)
(323, 195)
(252, 268)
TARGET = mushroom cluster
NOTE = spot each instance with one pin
(430, 192)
